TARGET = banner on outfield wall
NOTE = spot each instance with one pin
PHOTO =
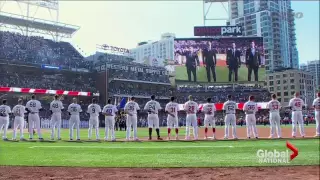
(261, 105)
(148, 70)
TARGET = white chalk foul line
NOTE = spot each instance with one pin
(118, 147)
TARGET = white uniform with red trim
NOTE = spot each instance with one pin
(191, 109)
(209, 110)
(296, 105)
(274, 117)
(4, 119)
(34, 106)
(250, 109)
(173, 108)
(316, 105)
(153, 107)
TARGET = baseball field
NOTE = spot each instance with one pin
(205, 159)
(222, 73)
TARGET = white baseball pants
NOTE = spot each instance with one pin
(191, 120)
(251, 125)
(109, 125)
(297, 118)
(230, 119)
(74, 121)
(209, 121)
(131, 121)
(93, 122)
(274, 119)
(4, 123)
(34, 120)
(18, 123)
(317, 117)
(153, 121)
(55, 122)
(172, 122)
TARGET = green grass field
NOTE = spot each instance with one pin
(150, 154)
(221, 72)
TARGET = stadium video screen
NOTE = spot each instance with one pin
(231, 58)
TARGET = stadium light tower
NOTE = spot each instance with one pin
(40, 17)
(211, 13)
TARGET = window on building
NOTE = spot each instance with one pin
(284, 81)
(291, 74)
(285, 87)
(292, 93)
(291, 81)
(270, 77)
(286, 99)
(277, 76)
(278, 88)
(278, 94)
(284, 75)
(292, 87)
(278, 81)
(271, 83)
(279, 99)
(271, 89)
(286, 93)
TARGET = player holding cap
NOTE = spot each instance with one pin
(191, 109)
(274, 107)
(172, 109)
(56, 107)
(229, 108)
(74, 110)
(18, 112)
(316, 105)
(296, 104)
(4, 118)
(94, 110)
(153, 107)
(131, 108)
(109, 111)
(250, 108)
(34, 106)
(209, 109)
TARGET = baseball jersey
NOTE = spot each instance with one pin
(230, 107)
(209, 109)
(94, 110)
(172, 108)
(33, 106)
(74, 109)
(296, 104)
(56, 106)
(274, 106)
(153, 106)
(191, 107)
(250, 107)
(4, 110)
(110, 109)
(316, 104)
(19, 110)
(132, 107)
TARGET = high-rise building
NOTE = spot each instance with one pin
(274, 21)
(154, 53)
(314, 68)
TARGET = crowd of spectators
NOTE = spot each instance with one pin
(32, 77)
(17, 48)
(219, 93)
(138, 76)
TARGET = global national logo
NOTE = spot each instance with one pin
(275, 156)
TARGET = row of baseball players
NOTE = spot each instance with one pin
(152, 107)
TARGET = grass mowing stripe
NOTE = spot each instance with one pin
(119, 147)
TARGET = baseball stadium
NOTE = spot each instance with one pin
(120, 113)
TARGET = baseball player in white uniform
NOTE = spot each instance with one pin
(74, 110)
(34, 106)
(209, 119)
(109, 111)
(18, 112)
(4, 118)
(56, 107)
(296, 104)
(229, 108)
(274, 107)
(153, 108)
(250, 108)
(191, 109)
(172, 109)
(94, 110)
(316, 105)
(131, 108)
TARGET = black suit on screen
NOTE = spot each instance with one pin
(233, 62)
(192, 61)
(210, 60)
(253, 61)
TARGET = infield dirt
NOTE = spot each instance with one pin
(248, 173)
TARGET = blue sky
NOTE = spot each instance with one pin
(124, 24)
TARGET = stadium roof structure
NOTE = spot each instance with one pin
(34, 25)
